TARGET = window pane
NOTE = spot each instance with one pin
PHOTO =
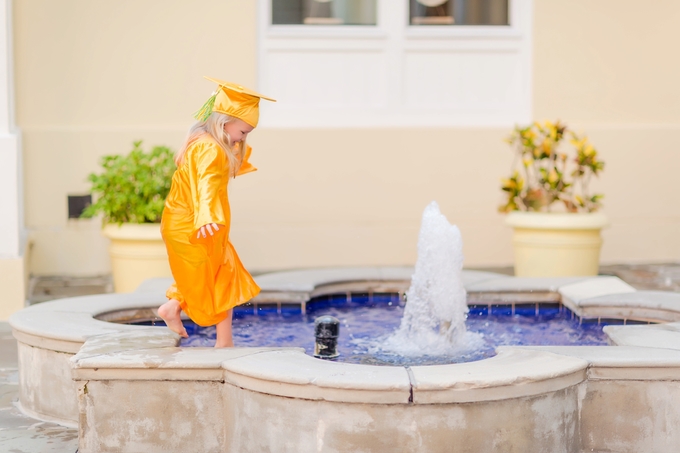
(459, 12)
(324, 12)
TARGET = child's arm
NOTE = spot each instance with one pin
(206, 170)
(246, 166)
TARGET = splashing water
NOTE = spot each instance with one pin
(436, 308)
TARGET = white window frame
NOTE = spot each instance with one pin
(393, 37)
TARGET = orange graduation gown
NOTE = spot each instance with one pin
(209, 277)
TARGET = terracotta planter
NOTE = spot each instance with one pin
(137, 253)
(556, 244)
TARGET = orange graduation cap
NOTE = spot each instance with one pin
(233, 100)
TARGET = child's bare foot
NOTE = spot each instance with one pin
(169, 312)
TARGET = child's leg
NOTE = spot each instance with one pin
(169, 312)
(224, 335)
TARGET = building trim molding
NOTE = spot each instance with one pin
(12, 235)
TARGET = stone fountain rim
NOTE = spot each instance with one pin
(73, 320)
(103, 350)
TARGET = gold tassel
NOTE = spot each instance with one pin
(204, 112)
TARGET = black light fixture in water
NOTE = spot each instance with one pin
(326, 331)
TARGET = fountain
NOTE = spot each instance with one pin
(432, 326)
(130, 388)
(434, 317)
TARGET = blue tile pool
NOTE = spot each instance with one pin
(366, 320)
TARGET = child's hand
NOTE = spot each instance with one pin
(209, 227)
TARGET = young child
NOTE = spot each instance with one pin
(209, 277)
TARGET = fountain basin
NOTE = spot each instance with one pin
(265, 400)
(130, 389)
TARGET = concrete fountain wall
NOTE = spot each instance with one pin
(129, 388)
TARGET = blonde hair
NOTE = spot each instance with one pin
(214, 126)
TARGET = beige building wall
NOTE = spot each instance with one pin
(91, 77)
(607, 68)
(12, 279)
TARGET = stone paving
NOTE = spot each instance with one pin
(42, 289)
(22, 434)
(664, 277)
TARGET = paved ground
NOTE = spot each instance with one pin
(22, 434)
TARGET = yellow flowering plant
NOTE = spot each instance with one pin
(544, 174)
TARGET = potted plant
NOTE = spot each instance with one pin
(549, 203)
(130, 194)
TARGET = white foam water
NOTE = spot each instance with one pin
(436, 307)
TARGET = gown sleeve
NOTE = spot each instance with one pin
(246, 166)
(206, 169)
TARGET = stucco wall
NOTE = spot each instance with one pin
(605, 67)
(91, 77)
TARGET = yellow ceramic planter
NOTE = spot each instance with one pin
(137, 253)
(556, 244)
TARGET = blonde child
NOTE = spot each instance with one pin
(209, 277)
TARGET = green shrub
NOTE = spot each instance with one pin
(132, 188)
